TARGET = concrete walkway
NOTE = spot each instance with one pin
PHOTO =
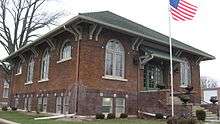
(3, 121)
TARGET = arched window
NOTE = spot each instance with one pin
(30, 71)
(114, 59)
(5, 89)
(19, 68)
(45, 65)
(185, 72)
(65, 52)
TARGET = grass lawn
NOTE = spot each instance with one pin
(28, 119)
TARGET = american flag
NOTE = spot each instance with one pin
(182, 10)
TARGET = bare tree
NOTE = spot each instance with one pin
(208, 82)
(19, 21)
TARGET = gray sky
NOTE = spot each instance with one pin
(201, 33)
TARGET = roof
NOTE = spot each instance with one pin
(117, 22)
(162, 55)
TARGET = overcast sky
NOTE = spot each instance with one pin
(202, 33)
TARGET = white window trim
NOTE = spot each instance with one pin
(41, 78)
(30, 60)
(20, 70)
(190, 78)
(113, 76)
(61, 52)
(110, 77)
(29, 82)
(63, 60)
(5, 87)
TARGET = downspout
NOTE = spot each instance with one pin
(77, 65)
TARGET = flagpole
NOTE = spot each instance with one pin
(171, 61)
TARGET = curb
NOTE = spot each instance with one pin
(4, 121)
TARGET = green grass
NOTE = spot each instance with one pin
(28, 119)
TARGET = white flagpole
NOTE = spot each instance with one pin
(171, 61)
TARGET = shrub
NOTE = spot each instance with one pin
(100, 116)
(184, 98)
(181, 121)
(13, 108)
(159, 116)
(201, 115)
(110, 116)
(172, 120)
(4, 108)
(123, 115)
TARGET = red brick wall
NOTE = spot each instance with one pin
(91, 67)
(2, 78)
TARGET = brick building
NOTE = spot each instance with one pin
(102, 62)
(4, 87)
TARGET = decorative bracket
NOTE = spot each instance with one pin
(78, 32)
(91, 31)
(50, 43)
(144, 59)
(178, 53)
(198, 60)
(34, 51)
(97, 34)
(137, 43)
(71, 31)
(22, 58)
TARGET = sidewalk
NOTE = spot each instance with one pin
(3, 121)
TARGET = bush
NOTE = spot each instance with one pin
(100, 116)
(123, 115)
(201, 115)
(13, 108)
(159, 116)
(4, 108)
(172, 120)
(110, 116)
(181, 121)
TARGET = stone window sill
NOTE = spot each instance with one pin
(183, 86)
(114, 78)
(156, 90)
(43, 80)
(30, 82)
(63, 60)
(18, 74)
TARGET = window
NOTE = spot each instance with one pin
(16, 102)
(153, 76)
(5, 89)
(120, 106)
(107, 105)
(185, 72)
(45, 65)
(59, 104)
(19, 68)
(65, 50)
(42, 104)
(27, 104)
(30, 70)
(114, 59)
(66, 105)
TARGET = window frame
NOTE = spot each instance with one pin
(45, 63)
(153, 68)
(111, 105)
(113, 60)
(61, 58)
(117, 106)
(185, 73)
(30, 70)
(6, 87)
(19, 68)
